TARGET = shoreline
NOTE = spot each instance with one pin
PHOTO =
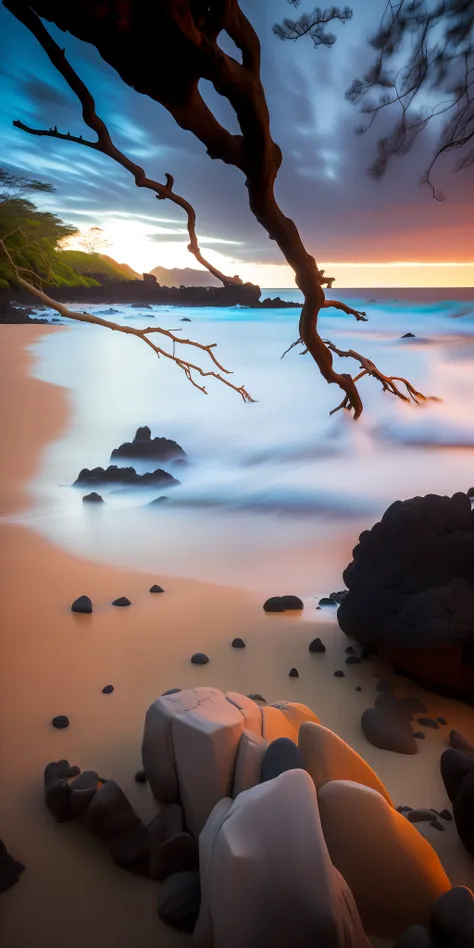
(55, 662)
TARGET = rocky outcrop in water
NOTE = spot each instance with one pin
(126, 476)
(145, 448)
(411, 592)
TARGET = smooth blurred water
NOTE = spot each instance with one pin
(277, 491)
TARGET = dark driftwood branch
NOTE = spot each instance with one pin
(104, 143)
(187, 367)
(184, 50)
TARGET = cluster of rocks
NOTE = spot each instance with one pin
(126, 476)
(83, 604)
(246, 789)
(411, 592)
(283, 604)
(145, 448)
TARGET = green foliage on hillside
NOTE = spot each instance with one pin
(33, 240)
(99, 265)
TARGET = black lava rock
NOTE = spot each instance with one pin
(83, 604)
(122, 601)
(258, 697)
(463, 812)
(60, 721)
(130, 850)
(408, 335)
(57, 789)
(455, 767)
(140, 776)
(441, 720)
(451, 913)
(108, 690)
(109, 813)
(238, 643)
(411, 591)
(274, 604)
(349, 650)
(316, 646)
(428, 722)
(368, 651)
(10, 869)
(171, 691)
(339, 674)
(145, 448)
(388, 731)
(358, 688)
(326, 601)
(419, 735)
(92, 498)
(156, 589)
(83, 790)
(180, 900)
(293, 673)
(199, 658)
(466, 937)
(126, 476)
(281, 755)
(292, 602)
(353, 660)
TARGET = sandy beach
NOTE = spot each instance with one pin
(55, 662)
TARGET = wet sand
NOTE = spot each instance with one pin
(55, 662)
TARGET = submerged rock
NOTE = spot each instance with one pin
(124, 475)
(144, 447)
(92, 498)
(238, 643)
(156, 589)
(274, 604)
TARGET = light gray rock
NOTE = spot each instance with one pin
(248, 766)
(266, 875)
(189, 750)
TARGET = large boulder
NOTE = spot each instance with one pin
(192, 739)
(266, 875)
(411, 591)
(327, 757)
(394, 874)
(145, 448)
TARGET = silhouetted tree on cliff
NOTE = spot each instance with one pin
(424, 69)
(163, 49)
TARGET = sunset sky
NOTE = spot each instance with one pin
(391, 233)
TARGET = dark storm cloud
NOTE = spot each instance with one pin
(323, 183)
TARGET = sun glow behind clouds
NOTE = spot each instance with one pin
(145, 245)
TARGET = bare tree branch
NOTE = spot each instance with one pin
(163, 49)
(185, 365)
(104, 143)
